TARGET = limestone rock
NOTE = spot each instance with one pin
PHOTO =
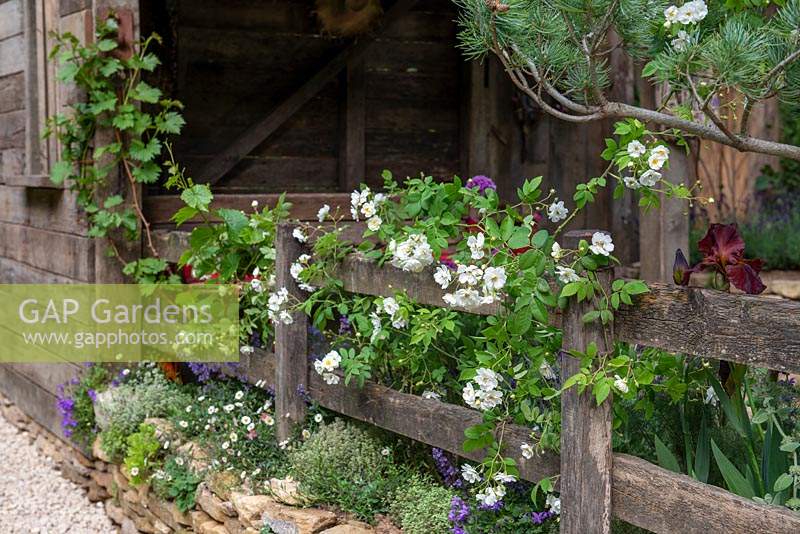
(116, 513)
(213, 505)
(198, 457)
(286, 490)
(789, 289)
(222, 483)
(351, 527)
(284, 519)
(98, 452)
(251, 507)
(198, 517)
(164, 430)
(212, 527)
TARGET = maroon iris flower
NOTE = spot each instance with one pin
(723, 254)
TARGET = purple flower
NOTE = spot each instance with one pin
(459, 530)
(92, 395)
(491, 507)
(459, 510)
(66, 407)
(449, 473)
(481, 183)
(344, 325)
(540, 517)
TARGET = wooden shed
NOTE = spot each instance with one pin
(276, 101)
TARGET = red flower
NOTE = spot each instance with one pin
(723, 253)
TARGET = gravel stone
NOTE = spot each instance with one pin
(35, 499)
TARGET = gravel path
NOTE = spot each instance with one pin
(35, 498)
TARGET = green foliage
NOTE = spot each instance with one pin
(342, 464)
(421, 507)
(114, 442)
(148, 394)
(177, 482)
(141, 457)
(774, 237)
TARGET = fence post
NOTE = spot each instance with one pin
(585, 427)
(291, 340)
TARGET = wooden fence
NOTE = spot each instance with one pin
(595, 482)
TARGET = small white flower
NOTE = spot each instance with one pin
(631, 182)
(306, 433)
(330, 379)
(368, 209)
(386, 451)
(494, 278)
(189, 409)
(285, 317)
(475, 244)
(390, 306)
(323, 212)
(283, 444)
(126, 372)
(527, 451)
(256, 285)
(505, 478)
(443, 276)
(566, 274)
(298, 234)
(246, 420)
(469, 274)
(179, 460)
(183, 424)
(556, 251)
(658, 157)
(486, 379)
(649, 178)
(254, 204)
(601, 244)
(134, 471)
(470, 396)
(620, 384)
(671, 16)
(431, 395)
(711, 396)
(246, 350)
(490, 399)
(166, 445)
(268, 420)
(546, 371)
(374, 223)
(553, 503)
(636, 149)
(239, 395)
(681, 41)
(234, 437)
(470, 474)
(556, 211)
(229, 408)
(212, 410)
(318, 418)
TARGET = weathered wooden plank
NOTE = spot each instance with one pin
(291, 340)
(48, 376)
(12, 163)
(352, 160)
(279, 174)
(642, 494)
(159, 208)
(286, 15)
(12, 92)
(42, 208)
(429, 421)
(754, 330)
(585, 427)
(251, 138)
(10, 18)
(14, 272)
(68, 7)
(64, 254)
(38, 403)
(12, 55)
(260, 366)
(661, 501)
(12, 129)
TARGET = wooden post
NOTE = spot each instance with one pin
(291, 340)
(585, 427)
(352, 159)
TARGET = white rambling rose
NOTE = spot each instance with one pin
(494, 278)
(470, 474)
(566, 274)
(475, 244)
(649, 178)
(486, 379)
(330, 379)
(527, 451)
(636, 149)
(601, 244)
(298, 234)
(620, 384)
(671, 16)
(555, 251)
(631, 182)
(443, 276)
(368, 209)
(323, 212)
(553, 503)
(557, 212)
(490, 399)
(469, 274)
(374, 223)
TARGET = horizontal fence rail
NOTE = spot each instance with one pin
(757, 331)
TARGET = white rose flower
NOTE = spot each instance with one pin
(553, 503)
(470, 396)
(368, 209)
(555, 251)
(374, 223)
(601, 244)
(620, 384)
(505, 478)
(546, 371)
(469, 274)
(256, 285)
(254, 204)
(494, 278)
(323, 212)
(671, 16)
(443, 276)
(636, 149)
(681, 41)
(649, 178)
(556, 211)
(631, 182)
(318, 418)
(470, 474)
(298, 234)
(486, 379)
(527, 451)
(490, 399)
(566, 274)
(475, 244)
(330, 379)
(244, 350)
(390, 306)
